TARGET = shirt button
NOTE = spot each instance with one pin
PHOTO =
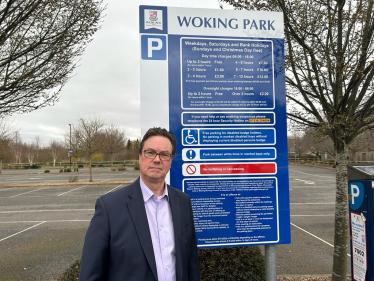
(167, 268)
(160, 228)
(163, 248)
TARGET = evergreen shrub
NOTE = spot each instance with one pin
(217, 264)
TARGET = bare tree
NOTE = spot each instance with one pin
(299, 147)
(37, 143)
(40, 44)
(30, 152)
(369, 139)
(357, 145)
(308, 141)
(329, 65)
(6, 131)
(114, 141)
(5, 151)
(16, 146)
(89, 137)
(317, 143)
(56, 149)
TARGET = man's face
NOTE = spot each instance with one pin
(155, 170)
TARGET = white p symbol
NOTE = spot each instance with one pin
(151, 48)
(355, 191)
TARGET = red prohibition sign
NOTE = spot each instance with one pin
(191, 169)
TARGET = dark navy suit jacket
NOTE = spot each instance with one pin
(118, 243)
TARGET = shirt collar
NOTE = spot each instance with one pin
(147, 193)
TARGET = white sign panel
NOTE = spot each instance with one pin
(359, 254)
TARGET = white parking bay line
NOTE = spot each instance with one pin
(328, 215)
(7, 222)
(114, 188)
(28, 192)
(315, 236)
(306, 182)
(315, 203)
(72, 190)
(22, 231)
(313, 175)
(43, 211)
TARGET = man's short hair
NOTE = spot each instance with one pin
(157, 131)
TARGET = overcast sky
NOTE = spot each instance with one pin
(106, 83)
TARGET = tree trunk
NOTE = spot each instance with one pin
(90, 164)
(341, 217)
(111, 162)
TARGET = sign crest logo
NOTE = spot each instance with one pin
(153, 15)
(153, 19)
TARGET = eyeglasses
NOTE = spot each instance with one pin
(164, 156)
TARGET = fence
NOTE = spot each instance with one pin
(327, 163)
(80, 164)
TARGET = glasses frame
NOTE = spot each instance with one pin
(159, 155)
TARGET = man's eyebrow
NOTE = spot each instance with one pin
(163, 151)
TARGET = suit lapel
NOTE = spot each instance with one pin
(140, 220)
(177, 219)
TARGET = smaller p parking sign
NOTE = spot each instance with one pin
(356, 191)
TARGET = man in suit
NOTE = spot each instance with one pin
(144, 231)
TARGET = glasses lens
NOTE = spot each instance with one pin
(152, 154)
(149, 153)
(164, 156)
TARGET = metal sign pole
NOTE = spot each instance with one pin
(270, 263)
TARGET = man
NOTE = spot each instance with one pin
(144, 231)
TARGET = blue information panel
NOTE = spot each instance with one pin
(223, 204)
(224, 82)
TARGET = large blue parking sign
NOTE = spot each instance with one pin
(220, 88)
(153, 47)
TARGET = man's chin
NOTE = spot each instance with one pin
(155, 174)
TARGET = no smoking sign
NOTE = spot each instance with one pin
(191, 169)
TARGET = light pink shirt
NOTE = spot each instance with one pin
(160, 223)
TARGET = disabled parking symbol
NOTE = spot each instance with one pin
(190, 137)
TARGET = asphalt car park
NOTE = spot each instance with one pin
(42, 227)
(39, 176)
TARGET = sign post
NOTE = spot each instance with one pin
(215, 79)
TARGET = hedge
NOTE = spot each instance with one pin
(216, 264)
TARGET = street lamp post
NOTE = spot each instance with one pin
(70, 147)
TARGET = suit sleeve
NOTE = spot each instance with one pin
(193, 261)
(96, 246)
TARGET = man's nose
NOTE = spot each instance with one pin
(157, 158)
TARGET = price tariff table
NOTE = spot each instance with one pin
(223, 73)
